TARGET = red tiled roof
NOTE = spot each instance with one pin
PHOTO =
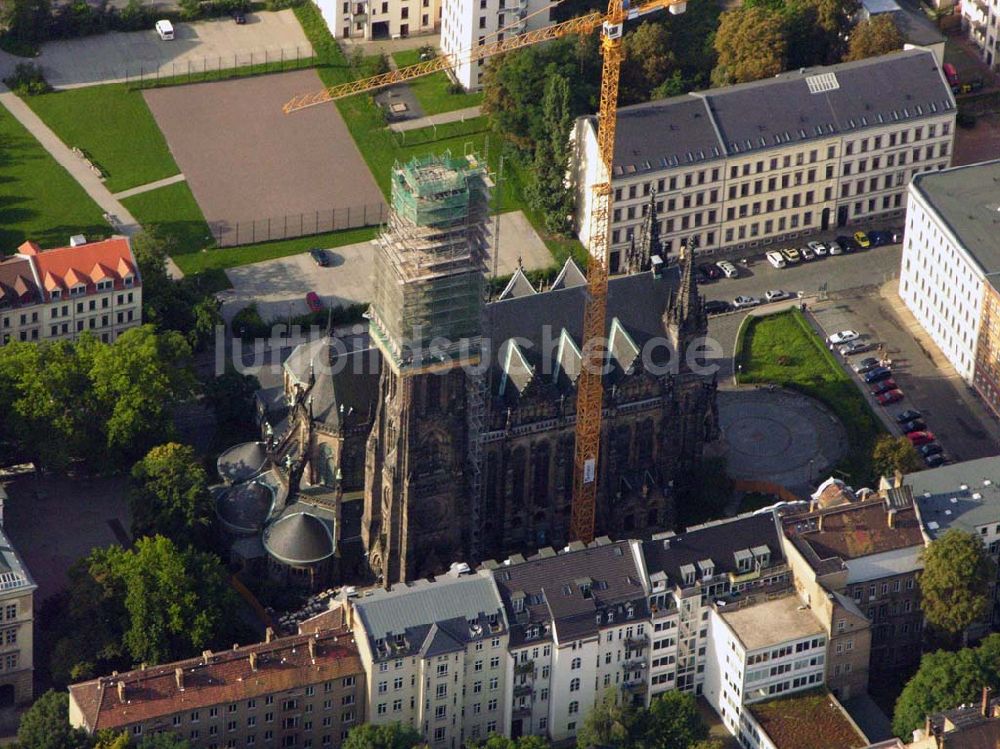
(282, 664)
(86, 263)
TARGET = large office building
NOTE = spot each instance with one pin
(767, 162)
(949, 274)
(91, 287)
(467, 24)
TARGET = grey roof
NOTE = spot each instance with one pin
(411, 610)
(345, 382)
(569, 276)
(917, 28)
(719, 542)
(299, 538)
(967, 200)
(874, 7)
(943, 503)
(765, 114)
(17, 283)
(242, 462)
(245, 507)
(13, 574)
(518, 286)
(564, 592)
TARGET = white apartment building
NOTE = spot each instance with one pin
(62, 292)
(368, 20)
(17, 617)
(951, 257)
(435, 655)
(466, 24)
(766, 162)
(981, 21)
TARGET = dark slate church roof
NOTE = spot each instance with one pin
(346, 383)
(299, 539)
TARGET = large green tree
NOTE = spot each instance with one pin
(385, 736)
(231, 398)
(874, 37)
(169, 496)
(956, 581)
(45, 725)
(610, 723)
(750, 44)
(649, 61)
(892, 454)
(549, 190)
(670, 722)
(27, 21)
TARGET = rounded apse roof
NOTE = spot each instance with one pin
(299, 539)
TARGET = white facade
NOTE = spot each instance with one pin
(366, 20)
(981, 21)
(941, 283)
(466, 24)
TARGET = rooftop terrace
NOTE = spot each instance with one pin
(807, 720)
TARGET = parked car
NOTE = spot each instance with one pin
(933, 461)
(717, 307)
(320, 256)
(879, 238)
(847, 244)
(878, 374)
(791, 255)
(920, 438)
(889, 397)
(240, 16)
(844, 336)
(856, 347)
(883, 387)
(932, 448)
(908, 415)
(165, 30)
(727, 268)
(314, 302)
(835, 249)
(951, 74)
(742, 302)
(862, 239)
(775, 258)
(819, 248)
(807, 254)
(709, 272)
(917, 425)
(773, 295)
(866, 365)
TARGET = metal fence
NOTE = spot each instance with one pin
(233, 233)
(220, 67)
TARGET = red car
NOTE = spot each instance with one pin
(920, 438)
(892, 396)
(884, 386)
(314, 302)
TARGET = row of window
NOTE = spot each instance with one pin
(63, 311)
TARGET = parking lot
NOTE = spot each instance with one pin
(115, 56)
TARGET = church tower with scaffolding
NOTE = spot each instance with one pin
(427, 321)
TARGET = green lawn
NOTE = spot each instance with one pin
(114, 127)
(174, 211)
(434, 91)
(39, 199)
(229, 257)
(783, 349)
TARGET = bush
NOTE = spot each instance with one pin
(248, 324)
(456, 88)
(79, 19)
(27, 80)
(133, 17)
(282, 4)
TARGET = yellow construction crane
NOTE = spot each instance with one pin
(590, 390)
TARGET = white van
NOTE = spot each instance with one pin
(165, 30)
(774, 258)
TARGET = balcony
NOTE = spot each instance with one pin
(525, 667)
(522, 690)
(635, 686)
(633, 663)
(522, 711)
(636, 643)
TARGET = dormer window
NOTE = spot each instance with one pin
(105, 285)
(127, 280)
(611, 616)
(56, 294)
(629, 611)
(78, 290)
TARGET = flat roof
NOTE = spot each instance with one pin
(962, 495)
(967, 200)
(807, 720)
(761, 625)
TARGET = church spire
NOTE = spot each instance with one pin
(685, 318)
(639, 252)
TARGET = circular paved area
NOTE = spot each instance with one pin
(779, 436)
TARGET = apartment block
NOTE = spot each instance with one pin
(950, 270)
(467, 24)
(17, 614)
(371, 20)
(62, 292)
(435, 655)
(981, 23)
(303, 690)
(767, 162)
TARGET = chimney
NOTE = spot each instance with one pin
(819, 522)
(206, 655)
(891, 518)
(268, 634)
(897, 479)
(179, 677)
(927, 727)
(121, 692)
(253, 661)
(312, 649)
(985, 707)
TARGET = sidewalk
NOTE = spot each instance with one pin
(457, 115)
(90, 182)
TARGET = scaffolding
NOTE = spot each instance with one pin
(428, 296)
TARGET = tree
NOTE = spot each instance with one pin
(955, 583)
(45, 725)
(385, 736)
(751, 45)
(610, 723)
(672, 720)
(498, 741)
(649, 60)
(164, 741)
(169, 496)
(549, 190)
(137, 381)
(892, 454)
(207, 319)
(708, 744)
(945, 680)
(876, 36)
(111, 740)
(230, 395)
(26, 21)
